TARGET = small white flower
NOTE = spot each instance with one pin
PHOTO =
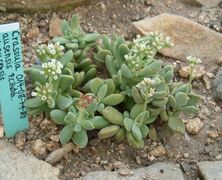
(55, 77)
(49, 90)
(53, 52)
(34, 94)
(44, 98)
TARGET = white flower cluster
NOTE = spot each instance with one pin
(193, 60)
(146, 86)
(158, 41)
(44, 92)
(144, 49)
(50, 51)
(52, 69)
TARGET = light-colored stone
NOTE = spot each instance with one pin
(55, 138)
(185, 71)
(189, 38)
(39, 147)
(198, 71)
(33, 33)
(157, 171)
(158, 151)
(125, 172)
(17, 165)
(58, 154)
(30, 6)
(210, 170)
(55, 26)
(209, 3)
(213, 134)
(207, 82)
(20, 139)
(193, 126)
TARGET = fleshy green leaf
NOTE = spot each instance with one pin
(64, 27)
(120, 135)
(138, 144)
(181, 99)
(143, 116)
(77, 128)
(136, 132)
(99, 122)
(90, 37)
(102, 92)
(61, 40)
(136, 110)
(80, 138)
(136, 95)
(189, 109)
(66, 134)
(95, 84)
(88, 125)
(58, 116)
(51, 102)
(128, 123)
(144, 130)
(63, 101)
(108, 131)
(67, 57)
(176, 124)
(37, 76)
(111, 87)
(194, 99)
(113, 99)
(66, 81)
(34, 102)
(112, 115)
(172, 101)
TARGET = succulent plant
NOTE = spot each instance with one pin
(75, 39)
(140, 90)
(52, 85)
(51, 51)
(128, 63)
(77, 123)
(128, 125)
(105, 91)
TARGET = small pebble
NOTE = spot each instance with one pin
(20, 139)
(125, 172)
(212, 134)
(158, 152)
(186, 155)
(39, 147)
(218, 157)
(193, 126)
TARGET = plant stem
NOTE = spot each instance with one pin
(191, 76)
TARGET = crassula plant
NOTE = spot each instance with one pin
(139, 91)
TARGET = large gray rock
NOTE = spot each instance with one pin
(209, 3)
(157, 171)
(210, 170)
(16, 165)
(189, 38)
(217, 85)
(39, 5)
